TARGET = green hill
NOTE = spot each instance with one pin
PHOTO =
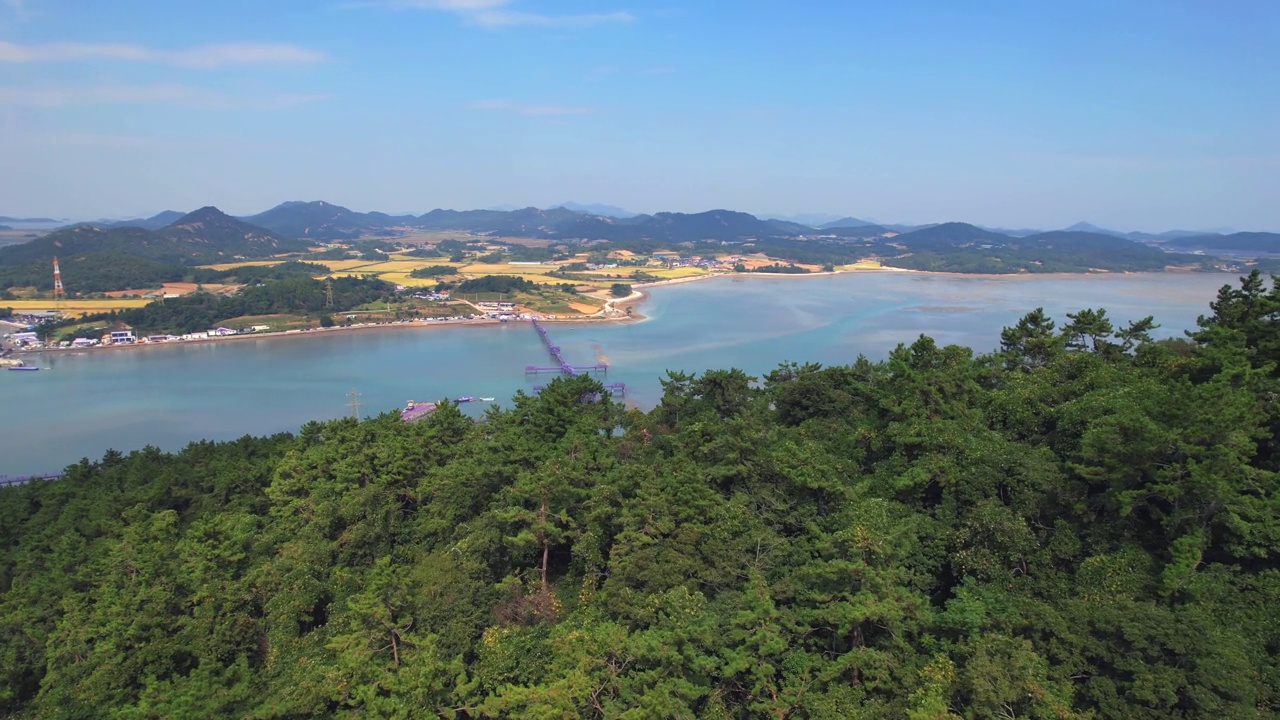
(320, 220)
(214, 234)
(958, 247)
(949, 235)
(95, 259)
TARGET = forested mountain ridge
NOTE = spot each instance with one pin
(155, 222)
(203, 236)
(96, 259)
(1081, 525)
(960, 247)
(1242, 241)
(951, 247)
(322, 221)
(224, 236)
(956, 247)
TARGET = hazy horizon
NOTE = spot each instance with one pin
(1148, 116)
(814, 219)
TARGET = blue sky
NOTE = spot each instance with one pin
(1139, 115)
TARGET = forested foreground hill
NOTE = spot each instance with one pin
(1083, 525)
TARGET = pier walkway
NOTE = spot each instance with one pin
(419, 410)
(6, 481)
(563, 365)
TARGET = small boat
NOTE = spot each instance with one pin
(486, 399)
(29, 368)
(466, 398)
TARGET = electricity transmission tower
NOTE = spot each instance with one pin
(354, 404)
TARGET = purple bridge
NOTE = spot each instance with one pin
(6, 481)
(416, 410)
(563, 365)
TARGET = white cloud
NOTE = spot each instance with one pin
(496, 13)
(508, 18)
(533, 109)
(455, 5)
(166, 94)
(204, 56)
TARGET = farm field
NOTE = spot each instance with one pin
(78, 307)
(863, 265)
(506, 269)
(337, 265)
(403, 266)
(677, 273)
(402, 278)
(442, 260)
(247, 263)
(186, 288)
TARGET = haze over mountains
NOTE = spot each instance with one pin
(208, 235)
(323, 221)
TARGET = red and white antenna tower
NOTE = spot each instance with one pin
(58, 292)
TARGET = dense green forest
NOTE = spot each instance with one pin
(1081, 525)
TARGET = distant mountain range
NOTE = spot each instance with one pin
(110, 256)
(323, 221)
(208, 236)
(205, 236)
(598, 209)
(155, 222)
(816, 220)
(32, 221)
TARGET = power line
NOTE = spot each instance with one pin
(58, 293)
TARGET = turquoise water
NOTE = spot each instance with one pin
(169, 395)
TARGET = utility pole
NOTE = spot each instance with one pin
(58, 292)
(355, 404)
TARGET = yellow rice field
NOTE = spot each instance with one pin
(78, 307)
(247, 263)
(337, 265)
(681, 272)
(505, 269)
(429, 261)
(863, 265)
(402, 265)
(404, 279)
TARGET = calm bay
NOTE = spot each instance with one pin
(86, 402)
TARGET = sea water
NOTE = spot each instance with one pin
(85, 402)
